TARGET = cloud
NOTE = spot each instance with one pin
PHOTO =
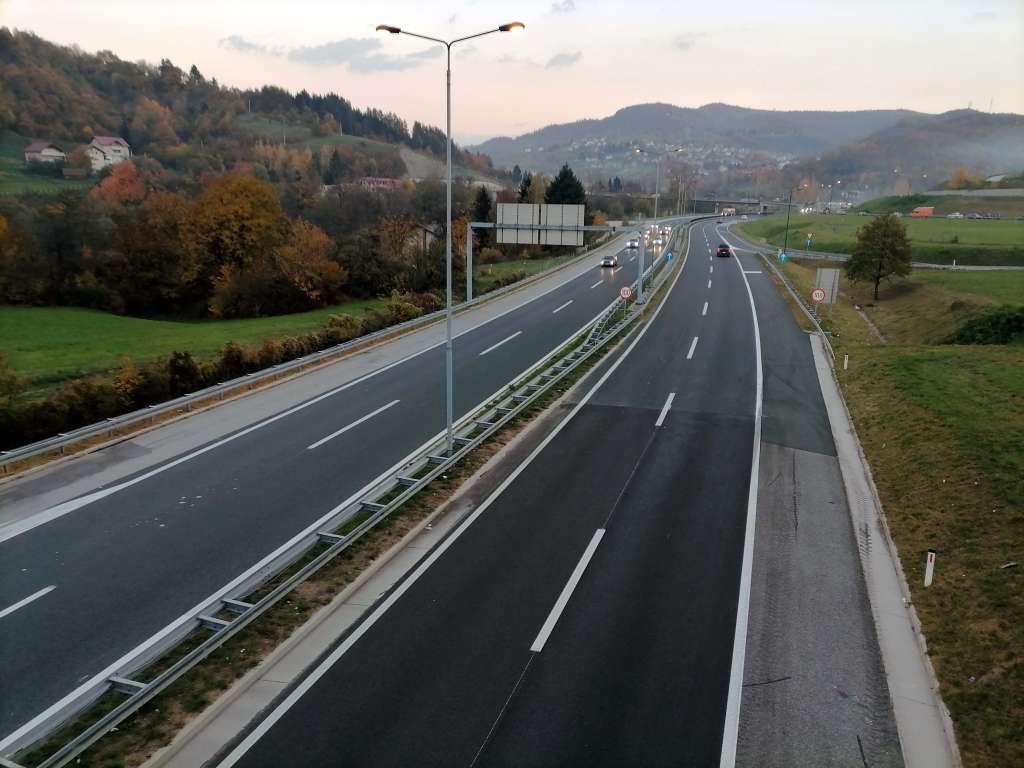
(565, 6)
(240, 44)
(985, 15)
(686, 40)
(358, 54)
(563, 60)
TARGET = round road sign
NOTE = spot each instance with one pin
(817, 295)
(625, 291)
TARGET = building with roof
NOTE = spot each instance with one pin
(105, 151)
(44, 152)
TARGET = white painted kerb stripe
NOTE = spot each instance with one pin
(664, 409)
(354, 424)
(559, 309)
(693, 346)
(22, 603)
(567, 590)
(495, 346)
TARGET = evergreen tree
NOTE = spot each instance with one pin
(335, 170)
(524, 187)
(517, 175)
(565, 189)
(482, 212)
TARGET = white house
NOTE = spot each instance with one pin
(105, 151)
(44, 152)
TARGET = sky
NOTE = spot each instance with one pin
(576, 58)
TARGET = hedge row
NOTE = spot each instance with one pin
(89, 400)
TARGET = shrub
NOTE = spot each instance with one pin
(344, 327)
(998, 325)
(233, 361)
(490, 255)
(87, 401)
(126, 383)
(183, 375)
(270, 353)
(374, 320)
(401, 311)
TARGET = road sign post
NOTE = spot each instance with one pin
(818, 295)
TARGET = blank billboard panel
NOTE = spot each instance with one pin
(540, 224)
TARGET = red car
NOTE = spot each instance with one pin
(723, 250)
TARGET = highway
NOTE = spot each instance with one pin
(596, 609)
(99, 575)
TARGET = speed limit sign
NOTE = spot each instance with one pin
(817, 295)
(625, 291)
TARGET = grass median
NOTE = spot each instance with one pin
(943, 428)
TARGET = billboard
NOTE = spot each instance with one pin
(827, 279)
(540, 224)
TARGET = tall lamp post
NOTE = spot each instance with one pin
(657, 192)
(830, 190)
(789, 209)
(448, 354)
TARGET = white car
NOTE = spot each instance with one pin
(610, 261)
(955, 215)
(633, 242)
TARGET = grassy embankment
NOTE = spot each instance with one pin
(15, 179)
(49, 345)
(489, 276)
(945, 204)
(943, 429)
(935, 241)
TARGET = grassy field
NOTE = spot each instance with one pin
(937, 241)
(488, 274)
(15, 178)
(943, 429)
(944, 204)
(49, 345)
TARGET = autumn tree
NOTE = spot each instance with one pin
(396, 239)
(123, 186)
(882, 252)
(538, 188)
(233, 222)
(306, 262)
(150, 281)
(152, 123)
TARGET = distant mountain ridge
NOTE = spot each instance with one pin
(789, 132)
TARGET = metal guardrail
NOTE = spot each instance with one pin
(185, 402)
(347, 527)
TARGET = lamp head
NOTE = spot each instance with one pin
(512, 25)
(387, 28)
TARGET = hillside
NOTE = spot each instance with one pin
(189, 123)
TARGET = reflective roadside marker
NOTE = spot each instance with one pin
(929, 568)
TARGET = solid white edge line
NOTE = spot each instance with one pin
(563, 306)
(26, 600)
(189, 616)
(563, 599)
(665, 409)
(495, 346)
(354, 424)
(704, 311)
(321, 669)
(12, 530)
(739, 647)
(693, 346)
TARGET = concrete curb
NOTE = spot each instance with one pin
(927, 737)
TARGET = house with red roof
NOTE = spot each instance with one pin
(105, 151)
(44, 152)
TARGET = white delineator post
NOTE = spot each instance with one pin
(929, 568)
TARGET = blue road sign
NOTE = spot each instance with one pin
(808, 241)
(668, 256)
(783, 256)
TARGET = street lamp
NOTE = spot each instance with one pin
(448, 359)
(657, 192)
(838, 181)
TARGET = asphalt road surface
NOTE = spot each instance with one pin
(81, 590)
(587, 613)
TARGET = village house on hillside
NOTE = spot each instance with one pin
(44, 152)
(105, 151)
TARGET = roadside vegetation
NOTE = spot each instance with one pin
(942, 425)
(932, 241)
(1006, 207)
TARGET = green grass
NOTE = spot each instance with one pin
(999, 287)
(937, 241)
(49, 345)
(489, 274)
(15, 179)
(944, 204)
